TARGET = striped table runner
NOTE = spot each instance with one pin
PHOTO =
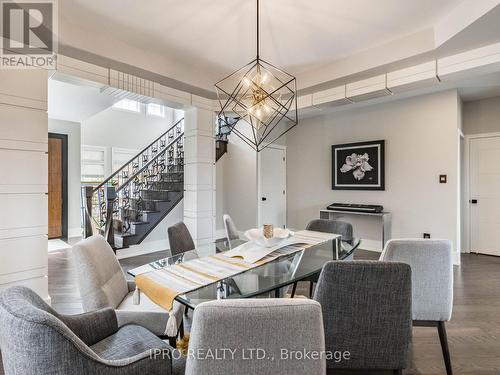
(163, 285)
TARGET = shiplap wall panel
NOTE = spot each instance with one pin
(414, 77)
(24, 87)
(33, 171)
(81, 69)
(39, 284)
(477, 61)
(171, 96)
(18, 123)
(199, 159)
(31, 253)
(23, 187)
(27, 210)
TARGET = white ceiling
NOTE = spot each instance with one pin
(219, 36)
(482, 87)
(76, 103)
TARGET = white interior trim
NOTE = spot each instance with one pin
(278, 147)
(466, 247)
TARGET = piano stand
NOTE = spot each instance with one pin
(385, 221)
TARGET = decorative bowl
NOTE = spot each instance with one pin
(256, 236)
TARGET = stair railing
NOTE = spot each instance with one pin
(110, 201)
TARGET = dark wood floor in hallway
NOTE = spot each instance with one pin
(473, 333)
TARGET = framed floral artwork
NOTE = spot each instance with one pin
(358, 166)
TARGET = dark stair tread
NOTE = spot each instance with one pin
(123, 235)
(148, 200)
(143, 211)
(161, 190)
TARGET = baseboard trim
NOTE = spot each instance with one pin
(74, 232)
(371, 245)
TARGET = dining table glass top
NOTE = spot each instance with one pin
(266, 278)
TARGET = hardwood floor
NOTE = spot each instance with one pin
(473, 333)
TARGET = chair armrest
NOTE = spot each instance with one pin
(131, 286)
(92, 327)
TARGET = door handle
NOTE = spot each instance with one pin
(264, 198)
(473, 201)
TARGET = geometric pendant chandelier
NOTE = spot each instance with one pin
(263, 97)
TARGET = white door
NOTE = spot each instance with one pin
(272, 186)
(484, 197)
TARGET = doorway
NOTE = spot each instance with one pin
(271, 188)
(484, 200)
(58, 186)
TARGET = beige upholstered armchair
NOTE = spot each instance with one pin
(102, 283)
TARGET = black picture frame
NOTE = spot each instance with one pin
(358, 166)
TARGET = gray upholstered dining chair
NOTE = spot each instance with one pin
(36, 340)
(431, 262)
(102, 283)
(231, 231)
(327, 226)
(271, 325)
(331, 226)
(366, 312)
(180, 239)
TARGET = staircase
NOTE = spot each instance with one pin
(223, 129)
(131, 202)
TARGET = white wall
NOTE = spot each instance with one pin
(236, 175)
(72, 130)
(482, 116)
(125, 129)
(421, 143)
(23, 186)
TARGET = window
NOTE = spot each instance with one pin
(93, 164)
(128, 105)
(154, 109)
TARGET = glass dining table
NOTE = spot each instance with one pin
(270, 277)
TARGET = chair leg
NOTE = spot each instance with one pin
(173, 342)
(444, 346)
(181, 330)
(294, 288)
(311, 289)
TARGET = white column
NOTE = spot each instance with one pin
(23, 179)
(199, 175)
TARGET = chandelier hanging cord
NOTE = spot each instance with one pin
(258, 35)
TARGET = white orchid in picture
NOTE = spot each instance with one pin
(358, 164)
